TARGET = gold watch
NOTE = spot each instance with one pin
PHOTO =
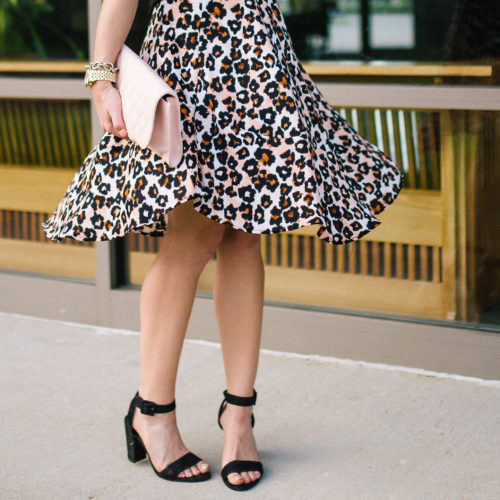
(100, 71)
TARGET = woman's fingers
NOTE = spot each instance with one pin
(112, 129)
(108, 125)
(115, 112)
(109, 108)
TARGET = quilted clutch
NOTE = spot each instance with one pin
(151, 108)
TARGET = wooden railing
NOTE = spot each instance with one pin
(314, 68)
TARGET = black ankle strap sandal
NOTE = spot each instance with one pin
(238, 401)
(150, 408)
(137, 451)
(239, 466)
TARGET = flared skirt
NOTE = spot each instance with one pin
(263, 150)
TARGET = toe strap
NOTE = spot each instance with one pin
(181, 464)
(239, 466)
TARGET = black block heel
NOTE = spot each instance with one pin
(239, 465)
(136, 450)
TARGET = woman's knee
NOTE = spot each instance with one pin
(195, 245)
(190, 236)
(240, 242)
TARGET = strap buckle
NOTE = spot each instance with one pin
(148, 407)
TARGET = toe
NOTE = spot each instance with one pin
(235, 478)
(203, 466)
(195, 471)
(252, 475)
(245, 477)
(188, 473)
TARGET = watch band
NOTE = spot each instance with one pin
(94, 75)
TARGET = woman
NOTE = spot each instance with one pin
(263, 152)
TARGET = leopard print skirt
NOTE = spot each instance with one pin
(263, 150)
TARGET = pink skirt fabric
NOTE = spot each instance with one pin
(263, 150)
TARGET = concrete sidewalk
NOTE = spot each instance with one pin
(326, 428)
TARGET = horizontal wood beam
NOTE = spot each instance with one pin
(49, 258)
(356, 292)
(355, 95)
(383, 68)
(33, 189)
(315, 68)
(20, 66)
(62, 89)
(399, 96)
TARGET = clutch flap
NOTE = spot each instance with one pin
(142, 89)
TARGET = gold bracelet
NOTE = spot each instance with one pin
(100, 71)
(108, 66)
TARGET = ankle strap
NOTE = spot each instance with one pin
(150, 408)
(239, 400)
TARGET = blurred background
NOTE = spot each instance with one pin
(427, 30)
(418, 78)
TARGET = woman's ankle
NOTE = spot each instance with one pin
(143, 421)
(237, 414)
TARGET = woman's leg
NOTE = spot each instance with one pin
(166, 301)
(238, 297)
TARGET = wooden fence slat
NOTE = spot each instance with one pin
(11, 134)
(424, 263)
(387, 259)
(80, 125)
(295, 250)
(422, 123)
(28, 135)
(433, 149)
(385, 134)
(5, 154)
(329, 257)
(284, 250)
(375, 260)
(318, 245)
(34, 124)
(436, 265)
(16, 125)
(399, 260)
(57, 136)
(410, 148)
(274, 249)
(411, 262)
(363, 248)
(397, 134)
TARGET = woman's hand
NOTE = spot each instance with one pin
(113, 25)
(109, 108)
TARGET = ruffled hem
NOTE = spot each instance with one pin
(331, 231)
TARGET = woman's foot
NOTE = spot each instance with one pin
(163, 442)
(239, 442)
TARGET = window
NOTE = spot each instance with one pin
(411, 30)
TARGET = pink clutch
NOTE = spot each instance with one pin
(150, 107)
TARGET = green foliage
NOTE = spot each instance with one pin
(41, 28)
